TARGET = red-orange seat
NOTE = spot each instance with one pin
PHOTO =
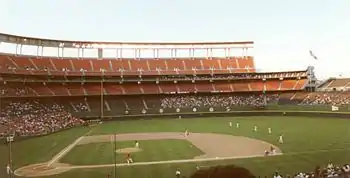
(240, 87)
(43, 63)
(113, 89)
(150, 88)
(101, 65)
(186, 87)
(223, 87)
(131, 88)
(288, 84)
(257, 86)
(272, 85)
(80, 64)
(61, 64)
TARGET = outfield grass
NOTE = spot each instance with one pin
(308, 142)
(152, 150)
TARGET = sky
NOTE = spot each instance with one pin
(283, 30)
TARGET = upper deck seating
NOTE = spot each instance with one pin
(146, 66)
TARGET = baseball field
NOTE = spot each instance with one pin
(163, 147)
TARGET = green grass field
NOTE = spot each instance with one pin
(152, 150)
(308, 142)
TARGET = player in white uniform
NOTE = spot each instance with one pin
(178, 173)
(230, 124)
(8, 170)
(137, 144)
(187, 133)
(270, 131)
(237, 125)
(280, 139)
(255, 128)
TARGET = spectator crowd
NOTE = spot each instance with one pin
(332, 98)
(329, 171)
(31, 118)
(193, 101)
(15, 91)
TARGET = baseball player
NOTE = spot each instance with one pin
(129, 159)
(9, 170)
(273, 150)
(237, 125)
(230, 124)
(255, 128)
(280, 140)
(187, 133)
(270, 131)
(178, 173)
(137, 144)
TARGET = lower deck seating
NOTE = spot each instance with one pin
(94, 106)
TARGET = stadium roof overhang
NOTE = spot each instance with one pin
(22, 40)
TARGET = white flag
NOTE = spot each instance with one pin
(335, 108)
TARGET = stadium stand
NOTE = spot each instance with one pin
(99, 87)
(335, 84)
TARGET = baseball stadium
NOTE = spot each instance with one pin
(119, 109)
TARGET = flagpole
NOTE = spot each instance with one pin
(115, 155)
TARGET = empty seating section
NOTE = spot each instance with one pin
(62, 64)
(272, 85)
(82, 65)
(235, 64)
(193, 64)
(288, 84)
(58, 89)
(76, 89)
(43, 63)
(229, 63)
(137, 65)
(339, 83)
(186, 87)
(5, 63)
(117, 105)
(155, 64)
(135, 104)
(240, 87)
(256, 86)
(150, 88)
(210, 64)
(117, 65)
(102, 65)
(41, 90)
(22, 62)
(247, 62)
(203, 87)
(223, 87)
(131, 89)
(300, 84)
(174, 64)
(95, 105)
(113, 89)
(93, 89)
(168, 88)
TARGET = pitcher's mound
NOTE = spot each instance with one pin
(128, 150)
